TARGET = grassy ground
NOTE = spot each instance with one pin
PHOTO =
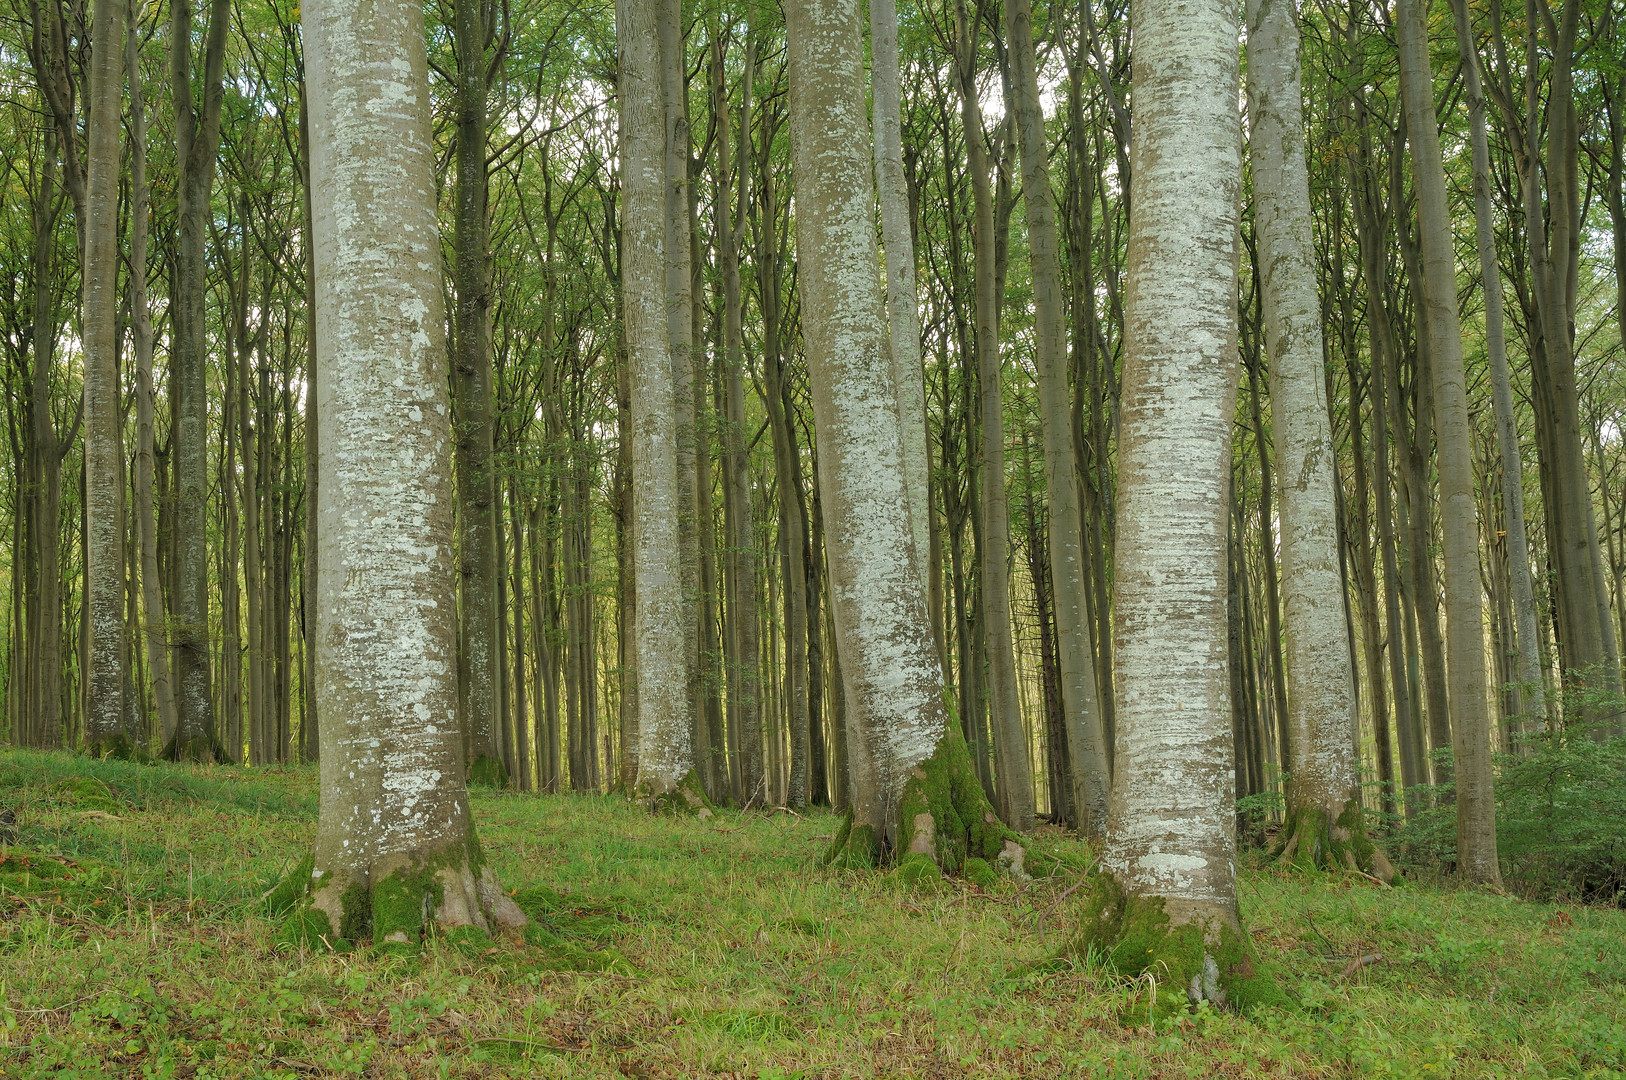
(719, 948)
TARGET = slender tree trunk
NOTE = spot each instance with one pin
(152, 601)
(1470, 727)
(45, 601)
(1324, 821)
(105, 728)
(1015, 785)
(197, 138)
(1091, 776)
(665, 726)
(394, 815)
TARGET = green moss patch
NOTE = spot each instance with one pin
(1172, 967)
(687, 799)
(488, 771)
(1309, 842)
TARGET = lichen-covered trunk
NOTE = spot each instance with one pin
(105, 730)
(1465, 641)
(897, 239)
(665, 735)
(395, 847)
(1323, 792)
(1171, 830)
(472, 400)
(889, 664)
(1091, 776)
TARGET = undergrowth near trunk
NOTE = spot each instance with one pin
(133, 942)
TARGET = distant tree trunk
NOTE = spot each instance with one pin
(1532, 690)
(1090, 772)
(309, 738)
(472, 398)
(1015, 783)
(152, 602)
(394, 817)
(105, 728)
(197, 138)
(1325, 825)
(45, 597)
(665, 725)
(1470, 727)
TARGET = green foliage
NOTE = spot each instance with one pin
(1560, 803)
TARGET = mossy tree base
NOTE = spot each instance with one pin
(1310, 842)
(400, 901)
(687, 798)
(945, 825)
(488, 771)
(119, 747)
(1174, 965)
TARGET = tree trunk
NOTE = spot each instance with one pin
(394, 821)
(1324, 821)
(1470, 727)
(665, 728)
(197, 138)
(1091, 777)
(105, 728)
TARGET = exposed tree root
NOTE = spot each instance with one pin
(1174, 966)
(1308, 841)
(945, 825)
(396, 904)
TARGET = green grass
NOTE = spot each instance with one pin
(684, 947)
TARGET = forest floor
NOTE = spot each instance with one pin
(131, 945)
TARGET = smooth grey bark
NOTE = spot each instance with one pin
(665, 729)
(1171, 832)
(1465, 638)
(394, 810)
(1324, 784)
(889, 662)
(152, 601)
(197, 139)
(1091, 776)
(1015, 776)
(105, 727)
(1532, 689)
(898, 247)
(473, 421)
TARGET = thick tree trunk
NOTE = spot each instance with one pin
(394, 825)
(105, 728)
(1091, 777)
(1171, 846)
(1470, 727)
(665, 728)
(1324, 821)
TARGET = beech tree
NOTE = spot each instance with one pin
(395, 847)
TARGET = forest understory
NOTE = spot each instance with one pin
(133, 943)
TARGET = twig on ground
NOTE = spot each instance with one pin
(1363, 962)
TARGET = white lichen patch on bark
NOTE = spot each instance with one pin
(1171, 825)
(892, 676)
